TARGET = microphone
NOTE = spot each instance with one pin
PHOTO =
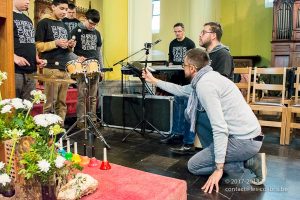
(156, 42)
(149, 45)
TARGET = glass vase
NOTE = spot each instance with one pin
(8, 190)
(48, 192)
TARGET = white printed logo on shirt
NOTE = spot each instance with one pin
(25, 31)
(59, 32)
(179, 53)
(71, 25)
(89, 42)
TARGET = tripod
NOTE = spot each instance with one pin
(143, 122)
(86, 118)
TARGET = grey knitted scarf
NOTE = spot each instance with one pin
(192, 107)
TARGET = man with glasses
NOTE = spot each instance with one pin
(236, 137)
(88, 46)
(222, 62)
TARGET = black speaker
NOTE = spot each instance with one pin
(125, 111)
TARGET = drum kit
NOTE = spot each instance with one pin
(88, 69)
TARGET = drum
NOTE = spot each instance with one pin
(73, 67)
(91, 66)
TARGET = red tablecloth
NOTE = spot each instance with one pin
(125, 183)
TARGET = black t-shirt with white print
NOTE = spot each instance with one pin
(71, 23)
(24, 42)
(49, 30)
(178, 49)
(88, 42)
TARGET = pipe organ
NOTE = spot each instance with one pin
(286, 33)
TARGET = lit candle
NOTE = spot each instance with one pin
(75, 147)
(61, 143)
(68, 146)
(104, 155)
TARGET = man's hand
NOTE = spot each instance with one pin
(81, 59)
(71, 43)
(212, 181)
(147, 75)
(20, 61)
(63, 43)
(40, 62)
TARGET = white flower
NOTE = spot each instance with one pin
(51, 132)
(44, 165)
(4, 179)
(15, 133)
(27, 104)
(59, 162)
(4, 102)
(17, 103)
(38, 96)
(1, 165)
(6, 109)
(46, 120)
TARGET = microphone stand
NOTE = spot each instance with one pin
(143, 122)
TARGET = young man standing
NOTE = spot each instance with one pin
(25, 57)
(89, 47)
(54, 43)
(232, 147)
(70, 20)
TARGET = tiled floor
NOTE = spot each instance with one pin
(147, 154)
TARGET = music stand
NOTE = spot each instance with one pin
(138, 68)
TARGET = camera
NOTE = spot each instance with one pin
(148, 45)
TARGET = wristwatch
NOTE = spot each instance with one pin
(218, 167)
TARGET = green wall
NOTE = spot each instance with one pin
(247, 27)
(172, 11)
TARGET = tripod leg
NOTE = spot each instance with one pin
(134, 129)
(71, 128)
(155, 129)
(97, 132)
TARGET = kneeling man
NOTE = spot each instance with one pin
(236, 136)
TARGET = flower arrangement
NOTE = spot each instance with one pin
(41, 162)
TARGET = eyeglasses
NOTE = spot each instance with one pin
(184, 65)
(204, 32)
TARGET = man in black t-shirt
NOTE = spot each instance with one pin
(25, 57)
(180, 45)
(88, 46)
(71, 20)
(54, 43)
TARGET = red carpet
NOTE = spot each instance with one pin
(125, 183)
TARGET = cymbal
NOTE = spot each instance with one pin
(44, 78)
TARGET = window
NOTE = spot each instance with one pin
(269, 3)
(155, 16)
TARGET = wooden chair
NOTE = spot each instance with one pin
(245, 83)
(292, 110)
(279, 107)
